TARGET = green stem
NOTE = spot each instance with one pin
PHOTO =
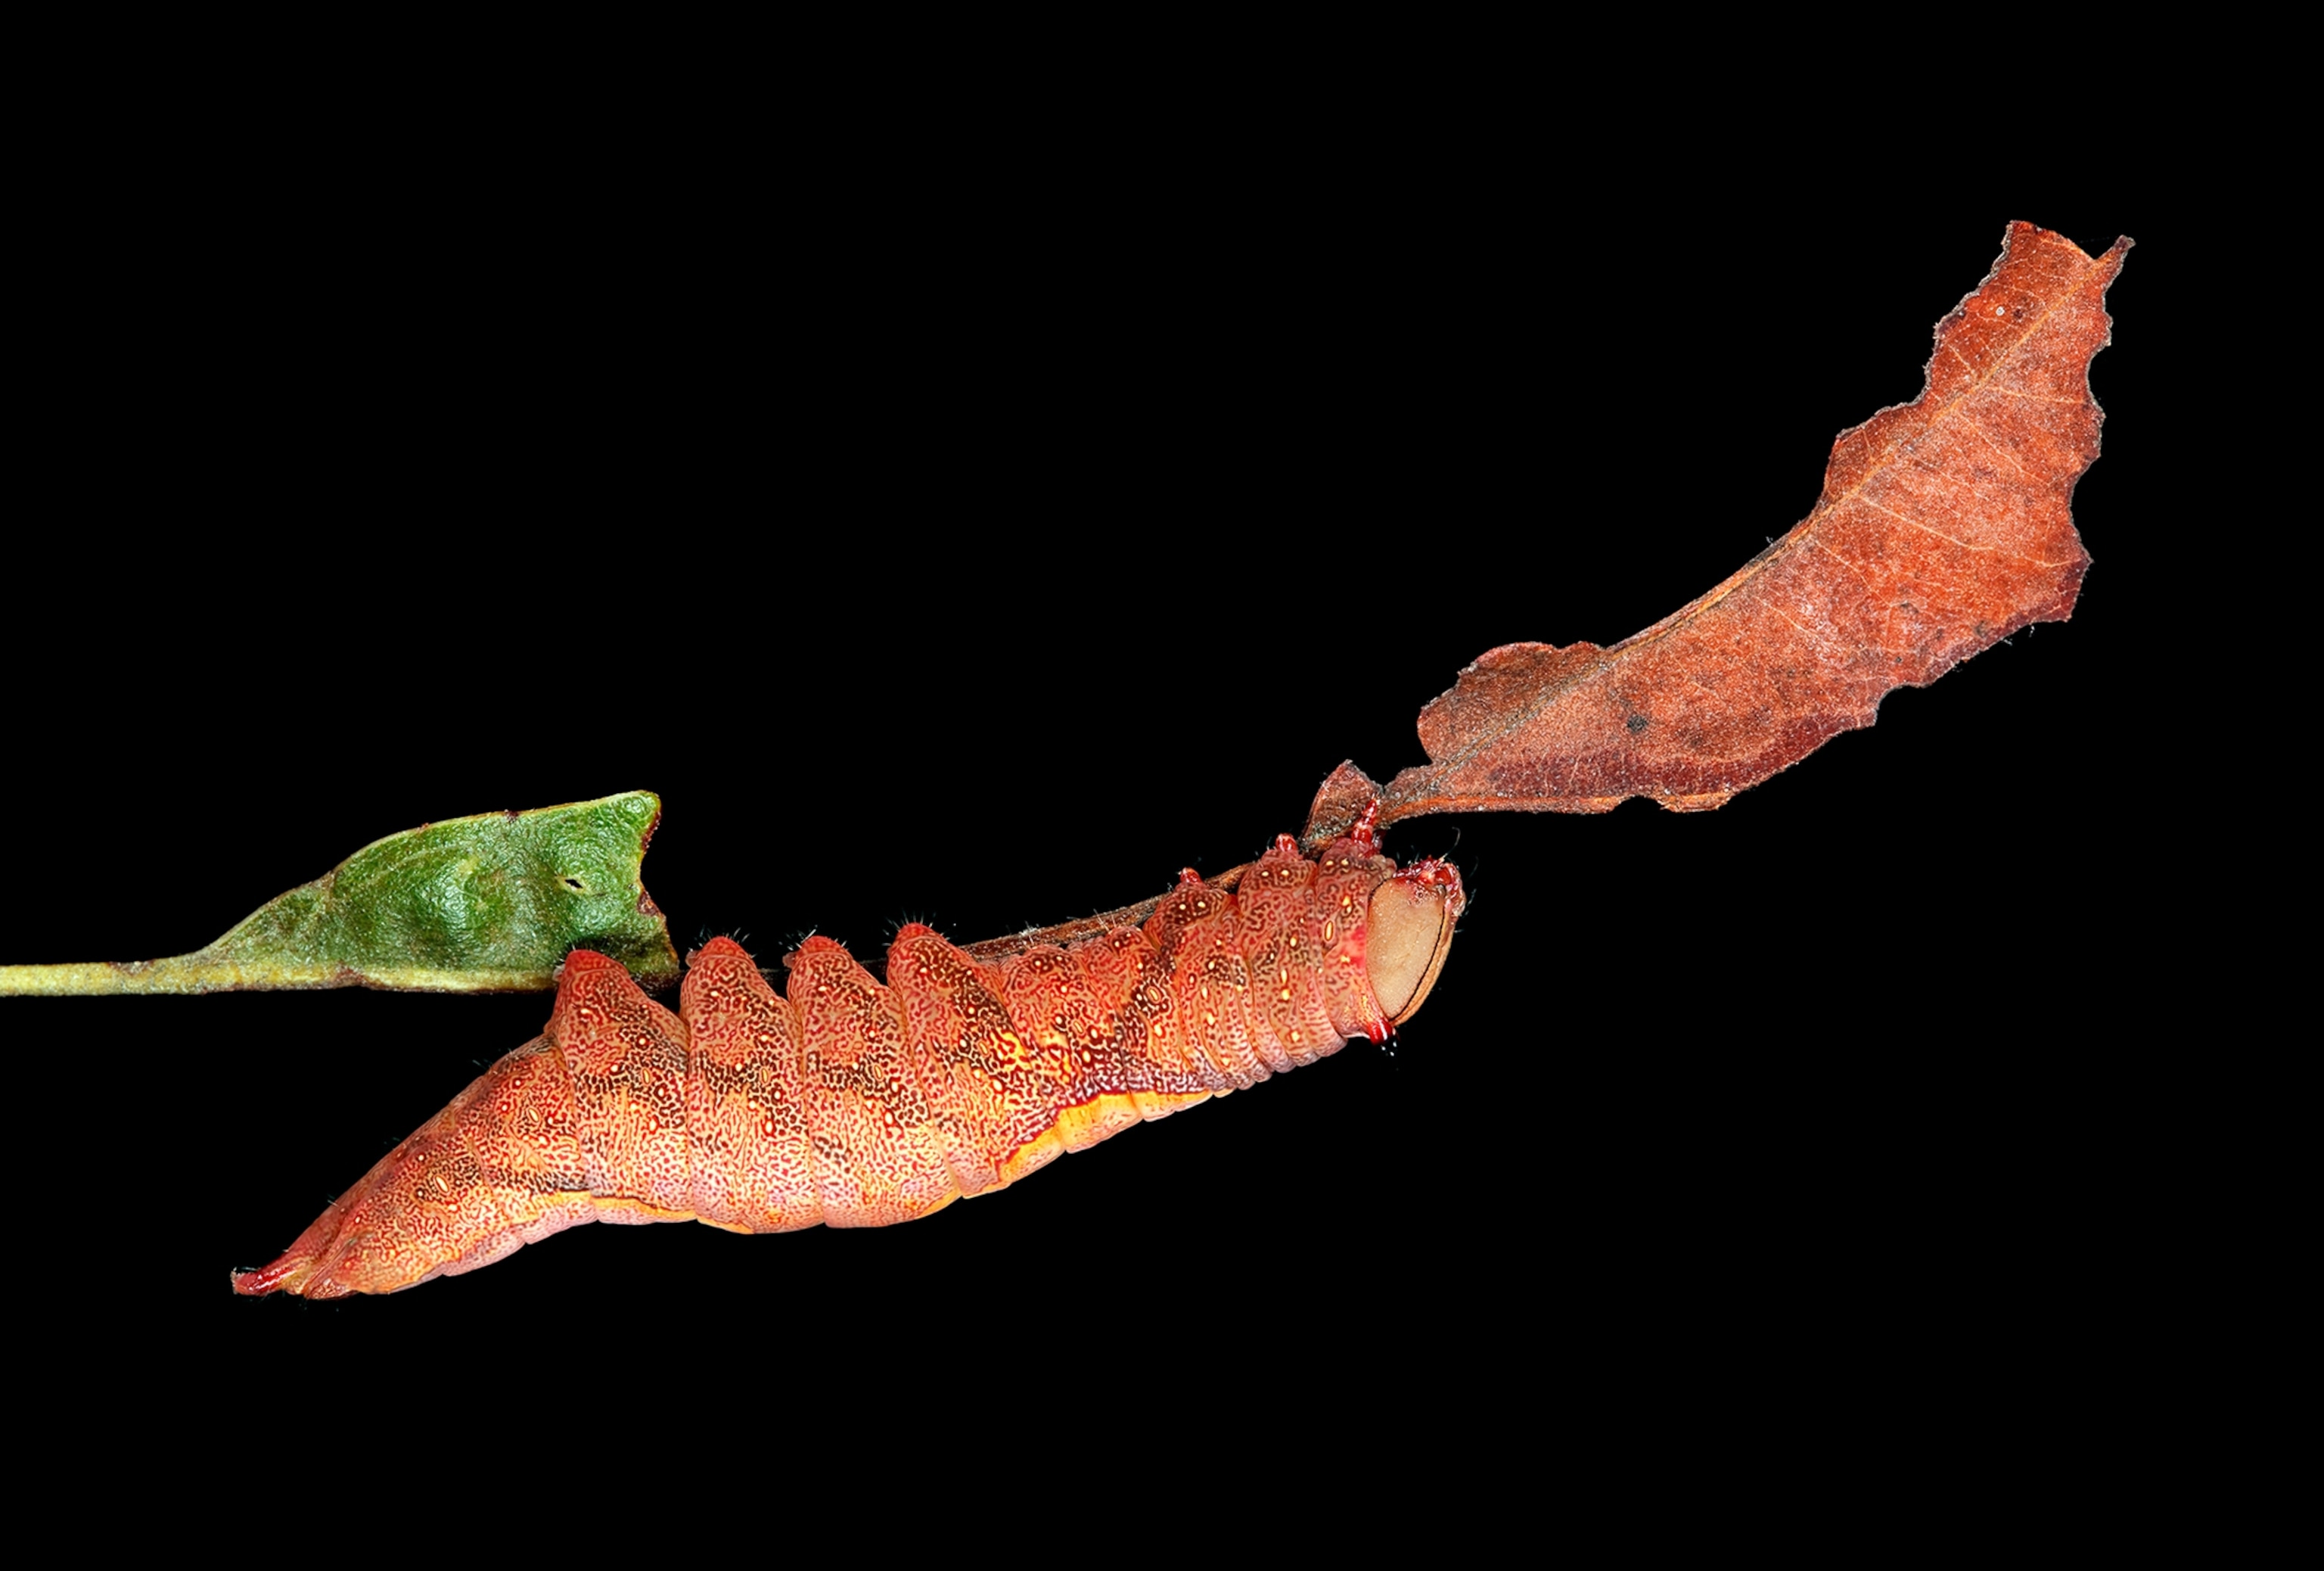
(207, 971)
(197, 973)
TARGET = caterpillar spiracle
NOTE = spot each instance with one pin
(854, 1104)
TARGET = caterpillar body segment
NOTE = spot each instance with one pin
(854, 1104)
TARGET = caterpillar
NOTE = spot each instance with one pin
(851, 1103)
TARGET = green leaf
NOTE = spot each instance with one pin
(488, 904)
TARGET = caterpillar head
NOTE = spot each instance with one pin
(1406, 933)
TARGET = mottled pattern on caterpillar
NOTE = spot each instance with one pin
(851, 1103)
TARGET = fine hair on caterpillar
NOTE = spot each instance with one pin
(845, 1102)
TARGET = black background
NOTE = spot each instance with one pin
(979, 545)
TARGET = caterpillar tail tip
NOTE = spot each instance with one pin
(293, 1274)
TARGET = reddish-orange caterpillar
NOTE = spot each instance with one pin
(856, 1104)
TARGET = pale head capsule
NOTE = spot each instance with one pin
(1408, 929)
